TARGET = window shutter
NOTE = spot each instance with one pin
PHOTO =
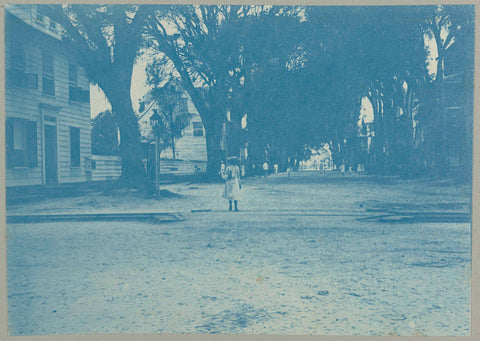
(72, 74)
(32, 144)
(84, 96)
(48, 80)
(48, 86)
(74, 147)
(9, 142)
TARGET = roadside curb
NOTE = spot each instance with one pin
(149, 217)
(420, 217)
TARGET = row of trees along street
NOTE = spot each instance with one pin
(301, 74)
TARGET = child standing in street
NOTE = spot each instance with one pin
(231, 175)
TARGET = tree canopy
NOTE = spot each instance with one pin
(218, 51)
(299, 72)
(171, 100)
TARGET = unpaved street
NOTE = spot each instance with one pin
(306, 255)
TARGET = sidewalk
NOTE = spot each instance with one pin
(314, 192)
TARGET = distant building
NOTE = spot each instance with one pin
(444, 131)
(365, 135)
(190, 149)
(319, 159)
(48, 135)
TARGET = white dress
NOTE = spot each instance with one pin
(232, 183)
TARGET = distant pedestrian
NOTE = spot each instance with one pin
(233, 187)
(222, 169)
(265, 168)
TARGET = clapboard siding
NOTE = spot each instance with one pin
(32, 104)
(27, 13)
(20, 12)
(188, 148)
(181, 167)
(106, 167)
(23, 176)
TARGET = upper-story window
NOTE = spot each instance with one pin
(39, 16)
(16, 74)
(17, 65)
(75, 93)
(72, 74)
(48, 81)
(197, 129)
(17, 57)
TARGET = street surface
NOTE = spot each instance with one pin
(305, 255)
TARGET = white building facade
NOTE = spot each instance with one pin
(47, 107)
(190, 149)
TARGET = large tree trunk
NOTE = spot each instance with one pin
(111, 69)
(209, 113)
(375, 153)
(133, 172)
(214, 151)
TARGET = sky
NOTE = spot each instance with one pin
(98, 101)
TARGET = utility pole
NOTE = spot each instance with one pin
(155, 123)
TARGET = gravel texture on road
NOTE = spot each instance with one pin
(295, 260)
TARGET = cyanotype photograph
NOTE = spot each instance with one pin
(239, 169)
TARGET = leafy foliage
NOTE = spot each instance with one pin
(298, 72)
(105, 134)
(219, 50)
(174, 116)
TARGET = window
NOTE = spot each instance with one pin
(17, 65)
(21, 143)
(39, 16)
(72, 82)
(75, 93)
(16, 74)
(74, 147)
(48, 83)
(53, 25)
(197, 129)
(17, 57)
(72, 74)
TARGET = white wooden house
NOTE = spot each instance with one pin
(47, 108)
(190, 149)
